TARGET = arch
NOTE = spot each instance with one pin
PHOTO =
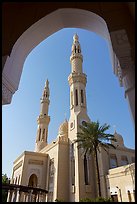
(59, 19)
(33, 180)
(39, 31)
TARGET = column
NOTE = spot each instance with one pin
(125, 69)
(27, 197)
(13, 199)
(9, 195)
(18, 195)
(37, 197)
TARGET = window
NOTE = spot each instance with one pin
(39, 133)
(71, 98)
(129, 196)
(114, 198)
(72, 150)
(113, 161)
(75, 49)
(134, 194)
(19, 180)
(76, 93)
(86, 170)
(72, 165)
(16, 180)
(133, 159)
(73, 171)
(33, 181)
(82, 97)
(43, 133)
(124, 160)
(51, 181)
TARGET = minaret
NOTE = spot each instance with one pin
(78, 113)
(43, 120)
(77, 81)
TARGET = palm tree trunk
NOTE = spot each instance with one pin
(98, 177)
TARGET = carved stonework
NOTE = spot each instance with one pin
(121, 37)
(123, 63)
(77, 77)
(37, 162)
(18, 165)
(6, 94)
(38, 174)
(34, 171)
(43, 119)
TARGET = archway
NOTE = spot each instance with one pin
(61, 18)
(33, 181)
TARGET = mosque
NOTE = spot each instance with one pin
(59, 167)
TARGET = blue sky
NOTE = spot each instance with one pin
(51, 59)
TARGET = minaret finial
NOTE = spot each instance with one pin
(47, 83)
(75, 37)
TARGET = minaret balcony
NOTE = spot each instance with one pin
(45, 100)
(77, 77)
(43, 119)
(76, 55)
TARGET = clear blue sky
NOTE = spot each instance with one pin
(51, 59)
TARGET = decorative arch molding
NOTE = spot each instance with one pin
(35, 171)
(33, 180)
(53, 22)
(59, 19)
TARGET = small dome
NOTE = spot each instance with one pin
(119, 138)
(63, 129)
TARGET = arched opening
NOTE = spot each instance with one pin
(61, 18)
(33, 181)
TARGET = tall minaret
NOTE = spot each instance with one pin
(77, 81)
(43, 120)
(78, 113)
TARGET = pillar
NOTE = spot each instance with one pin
(9, 195)
(124, 67)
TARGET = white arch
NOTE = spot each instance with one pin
(59, 19)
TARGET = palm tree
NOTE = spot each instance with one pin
(91, 137)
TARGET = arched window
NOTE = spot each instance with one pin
(33, 181)
(86, 170)
(39, 133)
(124, 160)
(16, 180)
(43, 133)
(75, 49)
(113, 161)
(76, 94)
(51, 180)
(72, 165)
(129, 196)
(133, 159)
(71, 98)
(82, 97)
(73, 171)
(19, 180)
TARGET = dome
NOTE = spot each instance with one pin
(63, 129)
(119, 138)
